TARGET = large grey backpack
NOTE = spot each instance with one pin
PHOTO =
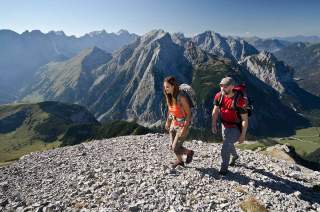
(187, 91)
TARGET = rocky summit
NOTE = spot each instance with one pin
(132, 173)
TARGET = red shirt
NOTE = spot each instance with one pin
(227, 113)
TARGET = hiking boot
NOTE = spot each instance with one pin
(223, 172)
(233, 161)
(190, 156)
(177, 163)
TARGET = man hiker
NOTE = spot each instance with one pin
(234, 119)
(178, 120)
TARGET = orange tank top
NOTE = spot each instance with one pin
(179, 115)
(176, 111)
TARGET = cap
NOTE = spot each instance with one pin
(227, 81)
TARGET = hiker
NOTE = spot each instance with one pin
(234, 118)
(178, 120)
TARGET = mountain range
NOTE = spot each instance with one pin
(128, 84)
(22, 54)
(300, 38)
(269, 44)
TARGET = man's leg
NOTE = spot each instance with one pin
(229, 138)
(235, 134)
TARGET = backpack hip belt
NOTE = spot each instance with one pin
(181, 121)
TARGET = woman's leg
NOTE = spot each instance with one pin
(174, 139)
(172, 134)
(177, 148)
(181, 140)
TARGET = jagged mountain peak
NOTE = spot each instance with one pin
(179, 35)
(180, 39)
(209, 33)
(33, 32)
(268, 69)
(228, 47)
(153, 35)
(97, 33)
(58, 33)
(265, 55)
(196, 55)
(123, 32)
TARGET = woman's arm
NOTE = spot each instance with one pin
(168, 121)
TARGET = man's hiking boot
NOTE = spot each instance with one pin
(190, 156)
(233, 161)
(177, 163)
(223, 172)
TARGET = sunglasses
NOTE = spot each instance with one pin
(224, 86)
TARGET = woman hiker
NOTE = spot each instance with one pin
(178, 120)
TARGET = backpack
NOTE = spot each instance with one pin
(187, 91)
(240, 91)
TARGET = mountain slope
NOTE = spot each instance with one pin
(280, 77)
(31, 127)
(305, 59)
(67, 81)
(26, 128)
(125, 174)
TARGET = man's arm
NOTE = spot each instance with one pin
(244, 123)
(215, 114)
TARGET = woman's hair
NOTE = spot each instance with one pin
(169, 97)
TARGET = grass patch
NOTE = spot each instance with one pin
(15, 150)
(252, 205)
(261, 143)
(306, 143)
(5, 163)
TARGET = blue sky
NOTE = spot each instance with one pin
(264, 18)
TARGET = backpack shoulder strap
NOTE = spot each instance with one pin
(221, 95)
(180, 94)
(235, 100)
